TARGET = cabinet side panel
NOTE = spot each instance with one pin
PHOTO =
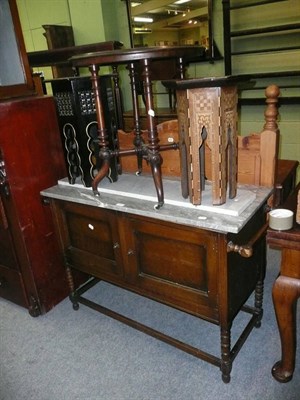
(33, 157)
(245, 273)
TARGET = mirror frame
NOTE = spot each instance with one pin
(27, 86)
(211, 48)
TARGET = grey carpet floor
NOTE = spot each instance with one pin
(70, 355)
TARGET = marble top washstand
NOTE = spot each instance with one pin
(136, 195)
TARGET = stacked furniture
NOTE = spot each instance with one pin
(203, 261)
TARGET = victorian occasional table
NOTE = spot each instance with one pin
(133, 58)
(286, 291)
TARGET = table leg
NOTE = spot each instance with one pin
(138, 139)
(226, 362)
(154, 157)
(286, 291)
(118, 97)
(104, 152)
(72, 296)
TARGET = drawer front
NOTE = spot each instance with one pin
(90, 240)
(175, 264)
(11, 286)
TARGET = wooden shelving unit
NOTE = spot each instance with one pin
(256, 38)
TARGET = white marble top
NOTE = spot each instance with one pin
(136, 195)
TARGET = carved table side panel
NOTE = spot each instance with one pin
(184, 143)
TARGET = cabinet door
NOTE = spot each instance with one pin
(174, 264)
(89, 238)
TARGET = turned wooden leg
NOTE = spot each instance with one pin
(153, 154)
(104, 152)
(73, 294)
(155, 162)
(259, 288)
(226, 362)
(138, 139)
(259, 293)
(286, 291)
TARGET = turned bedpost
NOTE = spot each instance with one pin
(271, 113)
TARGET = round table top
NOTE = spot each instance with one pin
(215, 81)
(125, 56)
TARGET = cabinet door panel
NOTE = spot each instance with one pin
(172, 261)
(91, 236)
(175, 265)
(91, 240)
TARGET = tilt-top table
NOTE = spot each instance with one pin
(132, 57)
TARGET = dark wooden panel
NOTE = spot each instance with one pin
(174, 264)
(7, 252)
(91, 240)
(172, 261)
(11, 286)
(33, 160)
(92, 236)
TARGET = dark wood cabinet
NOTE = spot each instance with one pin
(196, 270)
(31, 159)
(179, 265)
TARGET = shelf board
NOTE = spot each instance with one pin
(267, 29)
(254, 4)
(269, 50)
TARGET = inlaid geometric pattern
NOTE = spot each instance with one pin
(87, 102)
(64, 104)
(211, 121)
(72, 150)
